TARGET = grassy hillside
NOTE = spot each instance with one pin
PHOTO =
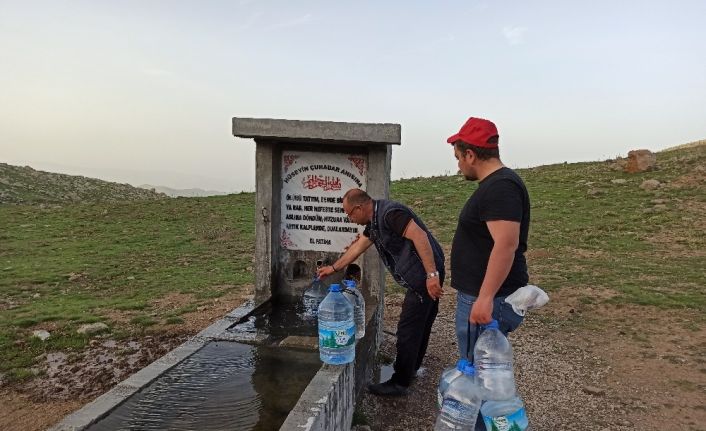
(22, 184)
(61, 267)
(592, 227)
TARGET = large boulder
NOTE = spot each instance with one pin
(640, 161)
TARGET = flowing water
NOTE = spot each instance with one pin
(279, 319)
(223, 386)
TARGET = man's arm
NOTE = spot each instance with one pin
(506, 237)
(421, 243)
(354, 250)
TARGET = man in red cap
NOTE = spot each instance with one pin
(487, 253)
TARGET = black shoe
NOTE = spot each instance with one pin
(388, 389)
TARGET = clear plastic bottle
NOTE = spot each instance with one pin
(492, 357)
(505, 415)
(447, 376)
(355, 296)
(313, 297)
(461, 404)
(336, 328)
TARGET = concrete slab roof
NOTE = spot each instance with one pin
(317, 131)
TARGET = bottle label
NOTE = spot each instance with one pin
(336, 335)
(458, 412)
(515, 422)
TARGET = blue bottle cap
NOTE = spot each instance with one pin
(469, 370)
(334, 288)
(349, 284)
(493, 324)
(463, 362)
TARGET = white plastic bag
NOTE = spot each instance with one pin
(527, 298)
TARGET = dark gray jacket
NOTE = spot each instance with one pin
(397, 252)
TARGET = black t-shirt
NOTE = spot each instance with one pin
(500, 196)
(396, 221)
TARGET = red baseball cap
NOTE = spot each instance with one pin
(476, 132)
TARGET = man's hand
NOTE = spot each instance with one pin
(324, 271)
(482, 311)
(434, 288)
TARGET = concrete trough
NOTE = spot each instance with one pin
(327, 402)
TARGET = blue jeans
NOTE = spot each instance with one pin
(502, 312)
(507, 319)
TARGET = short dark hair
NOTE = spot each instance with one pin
(481, 152)
(357, 197)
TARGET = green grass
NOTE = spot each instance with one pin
(63, 266)
(613, 239)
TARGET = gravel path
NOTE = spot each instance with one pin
(566, 380)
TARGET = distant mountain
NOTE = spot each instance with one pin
(24, 185)
(189, 193)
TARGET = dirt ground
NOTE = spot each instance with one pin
(69, 381)
(579, 366)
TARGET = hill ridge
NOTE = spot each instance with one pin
(26, 185)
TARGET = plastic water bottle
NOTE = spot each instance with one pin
(355, 296)
(313, 297)
(505, 415)
(461, 404)
(492, 357)
(336, 328)
(447, 376)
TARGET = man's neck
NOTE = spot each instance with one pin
(487, 167)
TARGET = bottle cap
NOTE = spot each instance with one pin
(469, 369)
(463, 362)
(349, 283)
(334, 288)
(493, 324)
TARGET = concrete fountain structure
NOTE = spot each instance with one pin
(303, 169)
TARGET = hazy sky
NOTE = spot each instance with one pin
(144, 91)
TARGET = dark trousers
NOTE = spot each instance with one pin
(413, 330)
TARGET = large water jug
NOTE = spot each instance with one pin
(492, 357)
(355, 296)
(461, 404)
(336, 328)
(313, 297)
(447, 376)
(505, 415)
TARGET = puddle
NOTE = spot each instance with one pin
(223, 386)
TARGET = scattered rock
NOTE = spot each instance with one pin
(650, 185)
(201, 308)
(640, 161)
(92, 328)
(131, 277)
(658, 201)
(41, 334)
(593, 390)
(75, 276)
(36, 295)
(619, 181)
(594, 191)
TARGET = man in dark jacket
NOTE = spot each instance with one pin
(415, 260)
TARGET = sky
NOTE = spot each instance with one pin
(144, 91)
